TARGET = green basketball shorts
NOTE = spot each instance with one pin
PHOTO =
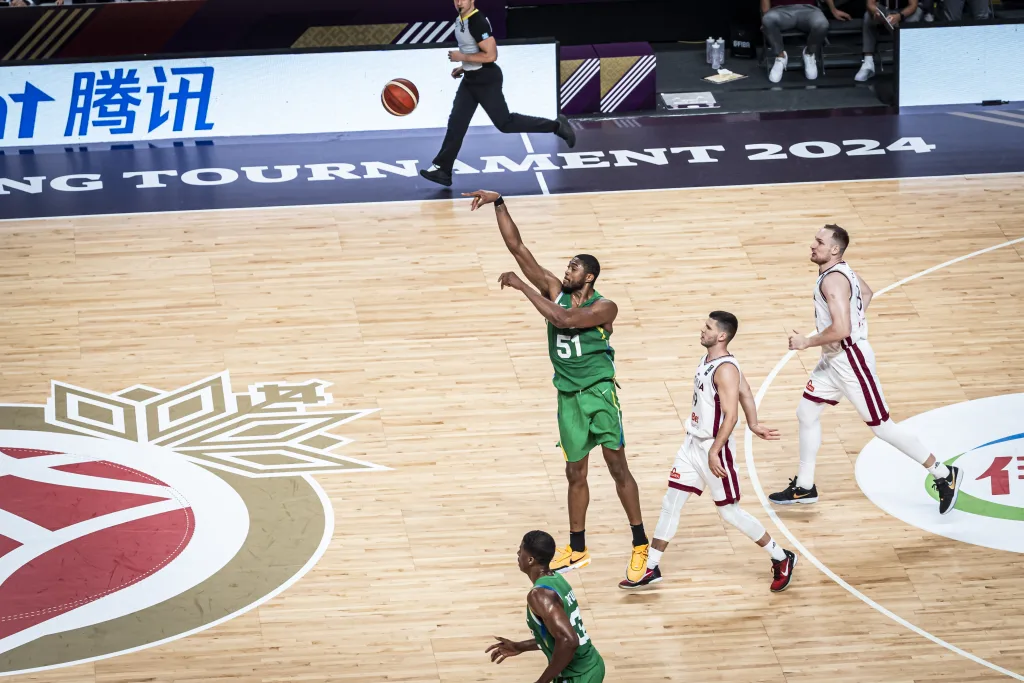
(594, 675)
(589, 418)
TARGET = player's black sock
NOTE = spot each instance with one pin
(639, 537)
(577, 542)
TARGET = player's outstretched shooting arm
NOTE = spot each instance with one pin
(542, 279)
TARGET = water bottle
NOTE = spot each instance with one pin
(716, 55)
(709, 46)
(721, 51)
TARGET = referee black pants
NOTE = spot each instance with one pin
(483, 87)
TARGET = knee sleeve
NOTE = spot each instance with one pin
(671, 507)
(903, 439)
(742, 520)
(809, 412)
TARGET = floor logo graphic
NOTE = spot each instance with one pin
(131, 519)
(985, 438)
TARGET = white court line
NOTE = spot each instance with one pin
(540, 176)
(688, 188)
(748, 443)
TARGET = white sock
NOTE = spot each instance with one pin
(653, 557)
(938, 470)
(869, 60)
(808, 413)
(775, 550)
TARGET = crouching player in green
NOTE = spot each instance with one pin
(553, 615)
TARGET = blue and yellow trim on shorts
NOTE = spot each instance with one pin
(618, 409)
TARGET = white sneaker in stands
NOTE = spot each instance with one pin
(778, 68)
(867, 70)
(810, 66)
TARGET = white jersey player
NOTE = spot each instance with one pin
(707, 459)
(847, 369)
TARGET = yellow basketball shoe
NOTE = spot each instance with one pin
(637, 563)
(566, 559)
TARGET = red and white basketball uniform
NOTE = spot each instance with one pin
(690, 471)
(847, 367)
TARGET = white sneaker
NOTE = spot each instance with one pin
(778, 68)
(929, 17)
(867, 70)
(810, 66)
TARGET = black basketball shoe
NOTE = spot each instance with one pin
(565, 131)
(438, 175)
(794, 494)
(948, 489)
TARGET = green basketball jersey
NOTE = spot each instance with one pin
(581, 358)
(587, 656)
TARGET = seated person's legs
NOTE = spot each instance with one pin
(953, 9)
(979, 9)
(867, 69)
(801, 17)
(812, 21)
(775, 21)
(872, 19)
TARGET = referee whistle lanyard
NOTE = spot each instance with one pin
(462, 20)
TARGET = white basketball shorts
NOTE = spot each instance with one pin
(691, 472)
(850, 373)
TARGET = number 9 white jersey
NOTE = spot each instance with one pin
(858, 316)
(706, 414)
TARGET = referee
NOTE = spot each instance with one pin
(481, 84)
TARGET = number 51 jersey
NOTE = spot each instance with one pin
(581, 358)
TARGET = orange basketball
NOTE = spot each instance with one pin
(400, 97)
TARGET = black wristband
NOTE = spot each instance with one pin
(499, 201)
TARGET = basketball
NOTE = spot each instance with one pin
(400, 97)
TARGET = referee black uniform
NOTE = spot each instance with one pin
(481, 84)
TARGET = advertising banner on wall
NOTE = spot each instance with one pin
(943, 65)
(281, 94)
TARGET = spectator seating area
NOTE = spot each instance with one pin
(844, 44)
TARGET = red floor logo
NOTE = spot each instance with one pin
(120, 514)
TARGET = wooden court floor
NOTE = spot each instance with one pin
(398, 306)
